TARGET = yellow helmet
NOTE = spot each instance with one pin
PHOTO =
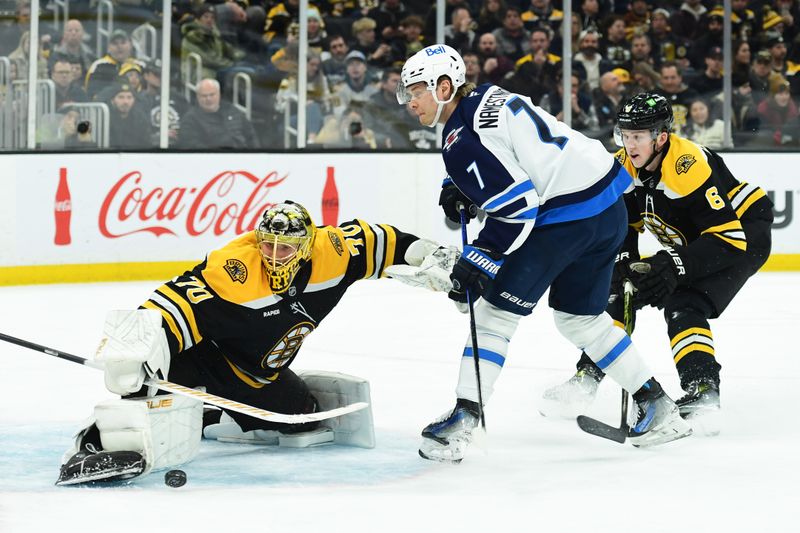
(285, 236)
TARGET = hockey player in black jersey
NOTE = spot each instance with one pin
(716, 233)
(233, 325)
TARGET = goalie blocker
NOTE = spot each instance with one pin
(128, 438)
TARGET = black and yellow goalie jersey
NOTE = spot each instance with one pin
(693, 203)
(226, 300)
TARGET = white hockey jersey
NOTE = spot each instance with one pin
(524, 167)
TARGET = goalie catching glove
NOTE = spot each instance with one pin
(656, 277)
(133, 348)
(429, 266)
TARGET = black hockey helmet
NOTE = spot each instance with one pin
(645, 111)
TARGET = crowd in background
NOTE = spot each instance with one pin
(356, 49)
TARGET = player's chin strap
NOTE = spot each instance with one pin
(440, 107)
(656, 152)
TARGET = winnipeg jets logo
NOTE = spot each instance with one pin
(452, 138)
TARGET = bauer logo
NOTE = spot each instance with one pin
(434, 50)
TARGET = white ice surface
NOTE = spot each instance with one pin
(539, 474)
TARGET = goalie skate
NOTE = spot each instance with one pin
(89, 465)
(700, 407)
(659, 421)
(572, 397)
(446, 439)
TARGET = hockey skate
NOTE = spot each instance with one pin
(90, 465)
(700, 407)
(659, 419)
(572, 397)
(446, 439)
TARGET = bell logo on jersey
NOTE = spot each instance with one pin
(684, 162)
(434, 50)
(236, 270)
(452, 138)
(287, 347)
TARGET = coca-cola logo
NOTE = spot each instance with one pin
(231, 200)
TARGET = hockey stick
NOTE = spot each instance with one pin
(197, 394)
(593, 426)
(472, 328)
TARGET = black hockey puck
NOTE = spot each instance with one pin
(175, 478)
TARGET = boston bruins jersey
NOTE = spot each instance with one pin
(226, 300)
(694, 204)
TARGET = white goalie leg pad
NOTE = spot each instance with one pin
(334, 389)
(227, 430)
(607, 345)
(494, 327)
(166, 429)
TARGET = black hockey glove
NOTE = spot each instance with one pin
(451, 199)
(473, 272)
(656, 277)
(621, 270)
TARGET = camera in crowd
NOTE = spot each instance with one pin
(355, 127)
(84, 127)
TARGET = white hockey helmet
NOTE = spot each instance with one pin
(428, 65)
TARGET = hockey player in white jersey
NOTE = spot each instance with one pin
(555, 219)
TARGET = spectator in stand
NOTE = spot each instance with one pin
(608, 98)
(317, 36)
(11, 33)
(472, 65)
(104, 72)
(702, 128)
(743, 21)
(541, 13)
(77, 68)
(243, 26)
(637, 19)
(384, 112)
(513, 40)
(772, 26)
(665, 44)
(350, 131)
(59, 130)
(387, 17)
(356, 87)
(214, 123)
(687, 23)
(460, 33)
(66, 90)
(490, 16)
(21, 58)
(202, 37)
(495, 66)
(762, 76)
(777, 51)
(411, 40)
(536, 72)
(280, 16)
(779, 116)
(708, 84)
(641, 51)
(377, 53)
(133, 74)
(150, 101)
(678, 94)
(583, 113)
(72, 44)
(590, 14)
(645, 78)
(742, 59)
(335, 67)
(614, 46)
(711, 37)
(589, 56)
(417, 136)
(318, 96)
(129, 128)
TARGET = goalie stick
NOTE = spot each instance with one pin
(593, 426)
(204, 397)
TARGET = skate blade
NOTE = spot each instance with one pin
(439, 459)
(705, 422)
(661, 436)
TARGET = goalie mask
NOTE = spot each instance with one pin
(285, 236)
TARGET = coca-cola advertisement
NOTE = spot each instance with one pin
(111, 208)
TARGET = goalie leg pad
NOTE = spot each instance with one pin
(332, 390)
(166, 430)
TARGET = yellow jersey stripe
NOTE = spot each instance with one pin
(391, 244)
(244, 377)
(369, 248)
(186, 308)
(691, 331)
(736, 189)
(168, 318)
(741, 245)
(695, 347)
(747, 203)
(728, 226)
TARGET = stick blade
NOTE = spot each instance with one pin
(600, 429)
